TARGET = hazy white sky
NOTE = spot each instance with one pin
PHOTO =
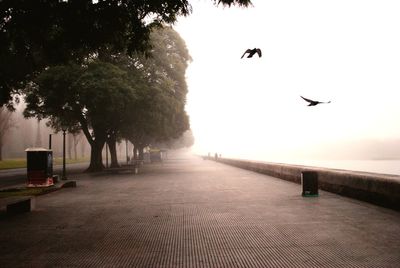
(344, 51)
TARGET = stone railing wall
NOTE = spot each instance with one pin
(378, 189)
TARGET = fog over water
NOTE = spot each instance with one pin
(340, 51)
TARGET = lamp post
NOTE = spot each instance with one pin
(108, 137)
(64, 176)
(127, 158)
(106, 155)
(49, 141)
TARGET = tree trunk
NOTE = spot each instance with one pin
(141, 152)
(112, 145)
(96, 146)
(96, 159)
(134, 155)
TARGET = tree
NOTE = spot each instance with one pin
(37, 34)
(136, 97)
(6, 122)
(160, 113)
(94, 98)
(186, 140)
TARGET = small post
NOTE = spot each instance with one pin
(309, 182)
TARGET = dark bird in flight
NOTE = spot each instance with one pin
(313, 102)
(252, 52)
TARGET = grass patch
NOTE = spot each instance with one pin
(59, 161)
(21, 162)
(25, 191)
(13, 163)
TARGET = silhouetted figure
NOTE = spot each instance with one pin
(252, 52)
(313, 102)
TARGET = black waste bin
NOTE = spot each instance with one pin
(39, 166)
(309, 182)
(155, 155)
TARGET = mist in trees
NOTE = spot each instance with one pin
(186, 140)
(6, 123)
(113, 97)
(111, 69)
(26, 133)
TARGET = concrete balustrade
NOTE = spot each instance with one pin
(380, 189)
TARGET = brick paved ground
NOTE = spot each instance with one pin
(190, 212)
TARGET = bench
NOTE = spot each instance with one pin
(17, 204)
(124, 168)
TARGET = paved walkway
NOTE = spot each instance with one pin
(190, 212)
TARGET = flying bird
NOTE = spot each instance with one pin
(252, 52)
(313, 102)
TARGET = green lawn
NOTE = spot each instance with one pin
(58, 161)
(21, 162)
(13, 163)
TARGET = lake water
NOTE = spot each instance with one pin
(391, 167)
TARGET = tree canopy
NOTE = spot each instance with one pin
(160, 115)
(35, 34)
(132, 97)
(94, 97)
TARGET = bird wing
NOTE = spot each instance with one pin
(308, 100)
(247, 51)
(258, 52)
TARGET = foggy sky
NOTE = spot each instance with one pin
(342, 51)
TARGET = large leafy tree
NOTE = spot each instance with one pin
(93, 97)
(167, 66)
(136, 97)
(35, 34)
(160, 117)
(160, 114)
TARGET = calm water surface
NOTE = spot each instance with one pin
(391, 167)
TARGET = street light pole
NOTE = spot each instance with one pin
(127, 159)
(49, 141)
(64, 176)
(106, 155)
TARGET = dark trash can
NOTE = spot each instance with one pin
(39, 167)
(309, 182)
(155, 155)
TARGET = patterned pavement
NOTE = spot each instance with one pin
(189, 212)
